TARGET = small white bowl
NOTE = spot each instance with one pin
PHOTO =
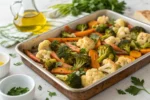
(4, 69)
(18, 80)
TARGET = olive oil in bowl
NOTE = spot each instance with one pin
(1, 63)
(30, 21)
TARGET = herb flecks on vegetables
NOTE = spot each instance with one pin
(18, 63)
(17, 91)
(78, 6)
(138, 85)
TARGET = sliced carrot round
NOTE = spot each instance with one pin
(135, 54)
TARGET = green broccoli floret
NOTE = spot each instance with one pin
(146, 45)
(125, 45)
(81, 27)
(101, 28)
(54, 45)
(65, 52)
(108, 33)
(105, 51)
(67, 35)
(81, 60)
(74, 80)
(62, 77)
(49, 64)
(135, 32)
(135, 45)
(94, 37)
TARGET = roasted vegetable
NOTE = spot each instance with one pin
(105, 51)
(146, 45)
(81, 27)
(74, 80)
(108, 33)
(101, 28)
(55, 45)
(125, 45)
(67, 35)
(49, 64)
(94, 37)
(81, 60)
(134, 45)
(135, 31)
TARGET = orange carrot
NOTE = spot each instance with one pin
(68, 29)
(130, 26)
(144, 51)
(73, 47)
(32, 56)
(61, 70)
(135, 54)
(92, 23)
(84, 33)
(98, 44)
(94, 56)
(65, 65)
(64, 39)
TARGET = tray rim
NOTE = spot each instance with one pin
(62, 84)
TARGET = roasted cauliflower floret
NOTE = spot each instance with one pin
(92, 75)
(112, 40)
(123, 60)
(43, 55)
(86, 43)
(108, 66)
(120, 23)
(143, 38)
(124, 33)
(45, 45)
(102, 19)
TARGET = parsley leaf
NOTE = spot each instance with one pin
(12, 55)
(51, 94)
(121, 91)
(133, 90)
(40, 87)
(17, 91)
(137, 81)
(18, 63)
(47, 99)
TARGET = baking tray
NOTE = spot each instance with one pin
(97, 87)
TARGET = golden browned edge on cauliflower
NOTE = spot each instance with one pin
(124, 33)
(108, 66)
(43, 55)
(102, 19)
(123, 60)
(86, 43)
(143, 38)
(91, 76)
(112, 40)
(45, 45)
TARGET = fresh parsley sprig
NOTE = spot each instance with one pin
(13, 55)
(138, 85)
(18, 63)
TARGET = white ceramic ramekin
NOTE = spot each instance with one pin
(18, 80)
(4, 69)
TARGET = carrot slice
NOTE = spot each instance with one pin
(144, 51)
(98, 44)
(92, 23)
(73, 47)
(64, 39)
(84, 33)
(68, 29)
(61, 70)
(130, 26)
(32, 56)
(135, 54)
(94, 56)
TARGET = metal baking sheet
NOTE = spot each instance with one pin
(98, 86)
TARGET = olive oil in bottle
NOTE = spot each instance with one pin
(30, 21)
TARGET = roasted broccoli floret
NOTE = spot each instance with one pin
(108, 33)
(55, 45)
(135, 45)
(135, 31)
(105, 51)
(81, 27)
(49, 64)
(81, 60)
(65, 53)
(74, 80)
(125, 45)
(67, 35)
(101, 28)
(146, 45)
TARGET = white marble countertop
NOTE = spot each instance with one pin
(108, 94)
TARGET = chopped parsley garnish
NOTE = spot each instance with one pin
(17, 91)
